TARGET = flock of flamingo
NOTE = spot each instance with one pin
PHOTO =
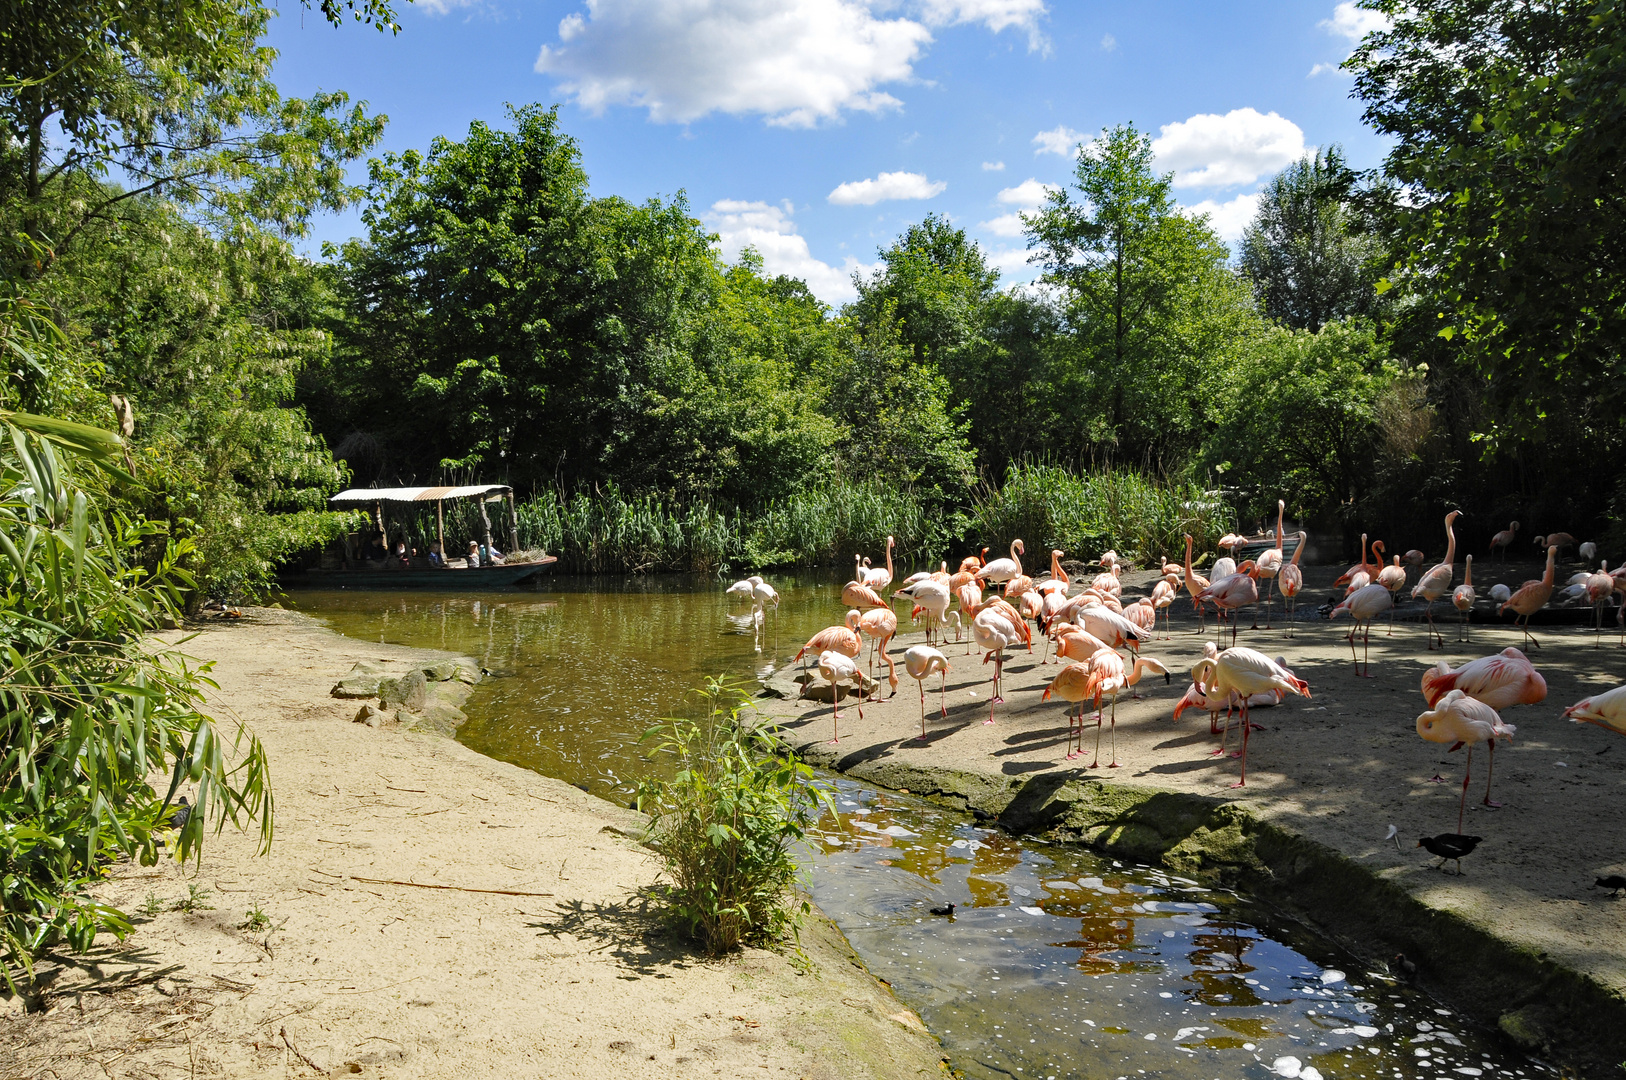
(1002, 606)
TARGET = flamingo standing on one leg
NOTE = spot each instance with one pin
(1463, 596)
(1434, 584)
(1163, 594)
(1599, 587)
(920, 661)
(933, 598)
(1270, 564)
(1463, 721)
(994, 633)
(1532, 596)
(1607, 710)
(1245, 672)
(1293, 581)
(879, 578)
(1364, 605)
(1504, 540)
(837, 668)
(1195, 584)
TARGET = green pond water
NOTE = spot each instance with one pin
(1057, 962)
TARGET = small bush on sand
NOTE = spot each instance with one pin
(727, 821)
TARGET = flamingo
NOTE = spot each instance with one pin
(838, 667)
(1142, 614)
(1462, 720)
(1231, 542)
(1607, 710)
(1071, 684)
(879, 626)
(1223, 567)
(1499, 593)
(1293, 580)
(1599, 587)
(855, 594)
(879, 578)
(1364, 605)
(1004, 569)
(1532, 596)
(1270, 564)
(970, 597)
(1077, 644)
(1413, 557)
(1195, 584)
(1502, 680)
(1370, 569)
(843, 639)
(1392, 578)
(1245, 672)
(1504, 540)
(1058, 576)
(1163, 594)
(1463, 596)
(920, 661)
(1588, 551)
(1559, 540)
(1433, 584)
(1108, 679)
(1110, 626)
(994, 633)
(1228, 594)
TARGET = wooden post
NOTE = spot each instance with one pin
(513, 524)
(485, 524)
(440, 528)
(384, 527)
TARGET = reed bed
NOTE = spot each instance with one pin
(1139, 517)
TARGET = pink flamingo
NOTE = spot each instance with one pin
(1270, 564)
(1504, 540)
(1071, 684)
(1532, 596)
(1163, 594)
(1463, 596)
(1599, 587)
(843, 639)
(1293, 581)
(1107, 678)
(920, 661)
(1501, 681)
(1364, 605)
(1434, 583)
(1463, 721)
(994, 633)
(837, 668)
(880, 626)
(1195, 584)
(1004, 569)
(1607, 710)
(1392, 578)
(1232, 593)
(1245, 672)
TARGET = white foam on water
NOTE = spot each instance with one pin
(1032, 910)
(1330, 976)
(1289, 1067)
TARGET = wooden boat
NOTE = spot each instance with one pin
(354, 571)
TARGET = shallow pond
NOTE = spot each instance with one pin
(1057, 962)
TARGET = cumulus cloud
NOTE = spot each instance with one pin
(1061, 140)
(1321, 69)
(1029, 195)
(1210, 150)
(886, 187)
(996, 15)
(796, 62)
(1108, 43)
(993, 166)
(1354, 22)
(1230, 218)
(772, 232)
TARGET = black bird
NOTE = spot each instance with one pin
(1613, 882)
(1450, 845)
(180, 815)
(1403, 967)
(945, 910)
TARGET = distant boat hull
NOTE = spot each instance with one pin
(484, 577)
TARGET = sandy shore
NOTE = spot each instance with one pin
(573, 976)
(1337, 770)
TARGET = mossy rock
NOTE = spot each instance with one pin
(409, 692)
(436, 718)
(362, 681)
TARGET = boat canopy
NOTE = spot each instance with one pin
(418, 494)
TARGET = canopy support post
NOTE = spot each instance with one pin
(513, 524)
(440, 527)
(485, 524)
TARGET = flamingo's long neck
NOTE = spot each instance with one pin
(1015, 558)
(1363, 549)
(1280, 507)
(1552, 557)
(1450, 544)
(1467, 572)
(889, 556)
(1188, 558)
(1297, 550)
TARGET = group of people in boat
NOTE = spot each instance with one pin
(380, 556)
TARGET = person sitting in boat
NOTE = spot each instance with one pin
(401, 555)
(436, 558)
(474, 555)
(492, 556)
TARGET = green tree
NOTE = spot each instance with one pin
(1307, 264)
(1504, 202)
(1151, 306)
(935, 282)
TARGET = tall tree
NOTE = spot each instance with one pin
(935, 281)
(1301, 253)
(1507, 197)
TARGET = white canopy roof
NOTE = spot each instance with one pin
(418, 494)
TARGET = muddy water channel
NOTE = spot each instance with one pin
(1057, 962)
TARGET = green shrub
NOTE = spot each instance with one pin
(727, 820)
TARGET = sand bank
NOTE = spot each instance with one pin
(1521, 940)
(566, 972)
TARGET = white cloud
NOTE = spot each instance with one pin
(1229, 219)
(1354, 22)
(1321, 69)
(797, 62)
(1004, 225)
(1210, 150)
(1029, 194)
(1061, 140)
(1011, 263)
(993, 166)
(887, 186)
(1108, 43)
(996, 15)
(771, 231)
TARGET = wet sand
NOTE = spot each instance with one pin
(1338, 769)
(566, 973)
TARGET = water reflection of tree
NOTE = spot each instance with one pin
(996, 856)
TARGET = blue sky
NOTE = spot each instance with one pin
(817, 130)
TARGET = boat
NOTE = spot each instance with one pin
(350, 569)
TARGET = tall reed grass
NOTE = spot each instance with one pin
(608, 531)
(1138, 516)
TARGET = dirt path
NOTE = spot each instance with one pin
(358, 976)
(1338, 769)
